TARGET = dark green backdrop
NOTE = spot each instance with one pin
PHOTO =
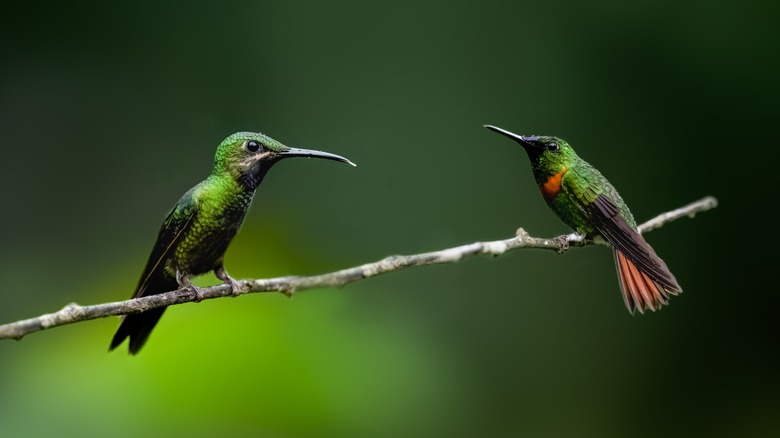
(109, 113)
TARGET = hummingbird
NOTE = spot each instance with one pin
(197, 231)
(584, 200)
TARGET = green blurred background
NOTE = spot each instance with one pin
(108, 113)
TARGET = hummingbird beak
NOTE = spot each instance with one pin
(308, 153)
(528, 142)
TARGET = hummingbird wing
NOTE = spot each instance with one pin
(154, 279)
(174, 226)
(625, 238)
(645, 280)
(644, 277)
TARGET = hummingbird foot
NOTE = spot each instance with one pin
(185, 285)
(563, 243)
(222, 274)
(194, 290)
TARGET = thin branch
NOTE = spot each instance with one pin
(73, 313)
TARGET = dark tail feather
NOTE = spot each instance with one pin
(137, 327)
(640, 292)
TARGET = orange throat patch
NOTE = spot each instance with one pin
(552, 186)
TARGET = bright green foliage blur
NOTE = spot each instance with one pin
(108, 113)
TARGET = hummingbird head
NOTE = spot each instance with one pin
(247, 156)
(549, 155)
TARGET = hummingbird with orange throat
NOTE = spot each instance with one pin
(586, 201)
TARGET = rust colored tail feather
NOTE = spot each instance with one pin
(640, 292)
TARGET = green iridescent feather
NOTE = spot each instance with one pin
(198, 230)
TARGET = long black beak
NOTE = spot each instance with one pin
(308, 153)
(527, 142)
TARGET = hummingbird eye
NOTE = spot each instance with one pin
(552, 146)
(252, 146)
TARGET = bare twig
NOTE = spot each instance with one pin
(690, 210)
(73, 313)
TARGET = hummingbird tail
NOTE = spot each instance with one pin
(640, 291)
(137, 327)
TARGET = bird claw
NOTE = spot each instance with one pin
(195, 291)
(186, 285)
(563, 243)
(235, 288)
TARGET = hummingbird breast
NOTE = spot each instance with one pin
(567, 208)
(579, 187)
(218, 217)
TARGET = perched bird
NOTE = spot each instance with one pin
(588, 203)
(195, 235)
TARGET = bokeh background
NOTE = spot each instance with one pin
(109, 112)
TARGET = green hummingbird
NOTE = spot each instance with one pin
(588, 203)
(195, 235)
